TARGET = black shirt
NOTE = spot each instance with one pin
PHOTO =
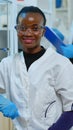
(30, 58)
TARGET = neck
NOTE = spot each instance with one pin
(33, 51)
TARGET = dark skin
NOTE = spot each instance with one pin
(31, 41)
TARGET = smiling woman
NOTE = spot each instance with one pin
(38, 81)
(30, 30)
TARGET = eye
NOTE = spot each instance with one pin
(23, 28)
(19, 28)
(35, 28)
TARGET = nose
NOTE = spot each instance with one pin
(28, 31)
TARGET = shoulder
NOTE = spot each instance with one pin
(56, 57)
(58, 63)
(9, 60)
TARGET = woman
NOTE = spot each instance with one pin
(38, 82)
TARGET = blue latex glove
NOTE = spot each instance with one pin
(67, 50)
(8, 108)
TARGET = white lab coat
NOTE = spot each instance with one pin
(39, 93)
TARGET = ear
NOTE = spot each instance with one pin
(44, 30)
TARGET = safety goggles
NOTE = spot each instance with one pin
(32, 28)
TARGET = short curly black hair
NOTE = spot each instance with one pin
(28, 9)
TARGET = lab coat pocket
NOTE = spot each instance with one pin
(50, 105)
(45, 106)
(50, 113)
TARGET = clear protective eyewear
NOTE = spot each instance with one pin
(33, 28)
